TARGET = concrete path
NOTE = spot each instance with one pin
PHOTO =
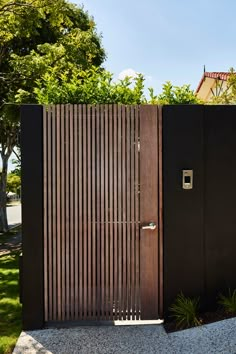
(14, 215)
(219, 337)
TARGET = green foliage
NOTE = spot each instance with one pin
(38, 38)
(91, 86)
(13, 183)
(228, 96)
(41, 35)
(185, 312)
(10, 308)
(174, 95)
(17, 162)
(228, 301)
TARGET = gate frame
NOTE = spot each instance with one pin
(33, 215)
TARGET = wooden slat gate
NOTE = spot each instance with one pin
(102, 184)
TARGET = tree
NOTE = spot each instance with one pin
(17, 162)
(174, 95)
(37, 36)
(13, 183)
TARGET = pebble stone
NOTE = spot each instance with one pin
(218, 337)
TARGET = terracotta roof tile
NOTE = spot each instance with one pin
(214, 75)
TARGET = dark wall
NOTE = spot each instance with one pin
(199, 224)
(183, 209)
(220, 204)
(32, 215)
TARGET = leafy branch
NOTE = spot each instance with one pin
(11, 6)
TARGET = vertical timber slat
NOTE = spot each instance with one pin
(119, 248)
(54, 215)
(50, 248)
(80, 214)
(76, 216)
(98, 209)
(92, 192)
(67, 215)
(58, 218)
(89, 246)
(63, 234)
(160, 210)
(124, 220)
(133, 233)
(137, 218)
(128, 215)
(102, 216)
(94, 255)
(115, 249)
(45, 204)
(72, 223)
(111, 217)
(106, 217)
(85, 220)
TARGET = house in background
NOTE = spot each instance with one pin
(212, 84)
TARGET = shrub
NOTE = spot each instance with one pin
(185, 312)
(228, 302)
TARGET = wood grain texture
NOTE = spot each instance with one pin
(81, 260)
(72, 212)
(98, 210)
(58, 212)
(54, 221)
(106, 213)
(133, 226)
(92, 211)
(102, 220)
(76, 212)
(45, 207)
(149, 211)
(94, 245)
(160, 219)
(85, 221)
(115, 215)
(120, 273)
(137, 213)
(63, 224)
(111, 211)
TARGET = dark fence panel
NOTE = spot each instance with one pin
(200, 223)
(220, 199)
(183, 209)
(32, 215)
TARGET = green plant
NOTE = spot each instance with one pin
(10, 308)
(228, 301)
(185, 312)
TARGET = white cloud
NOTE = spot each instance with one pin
(127, 72)
(149, 78)
(132, 73)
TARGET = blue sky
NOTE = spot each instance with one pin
(166, 40)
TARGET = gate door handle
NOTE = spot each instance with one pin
(150, 226)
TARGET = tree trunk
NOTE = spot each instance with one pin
(3, 195)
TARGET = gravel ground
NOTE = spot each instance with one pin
(218, 337)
